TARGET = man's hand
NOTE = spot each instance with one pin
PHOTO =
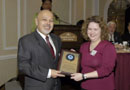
(55, 73)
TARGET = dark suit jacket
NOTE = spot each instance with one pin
(126, 37)
(117, 37)
(35, 59)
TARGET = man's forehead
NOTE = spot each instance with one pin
(45, 13)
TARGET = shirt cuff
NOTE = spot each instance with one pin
(49, 74)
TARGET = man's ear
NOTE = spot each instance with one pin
(36, 21)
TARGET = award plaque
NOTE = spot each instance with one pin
(69, 62)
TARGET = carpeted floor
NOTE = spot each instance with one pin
(66, 83)
(13, 85)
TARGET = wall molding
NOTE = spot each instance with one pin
(18, 18)
(108, 2)
(25, 17)
(6, 57)
(4, 25)
(70, 11)
(95, 7)
(84, 9)
(75, 11)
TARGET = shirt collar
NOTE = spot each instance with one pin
(42, 35)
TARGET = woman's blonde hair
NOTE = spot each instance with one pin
(102, 25)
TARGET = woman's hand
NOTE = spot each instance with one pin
(77, 76)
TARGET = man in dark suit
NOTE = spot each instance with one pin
(38, 56)
(113, 35)
(126, 36)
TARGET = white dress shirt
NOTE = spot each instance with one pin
(50, 39)
(111, 37)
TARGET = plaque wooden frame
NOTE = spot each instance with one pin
(69, 62)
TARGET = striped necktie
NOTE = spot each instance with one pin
(50, 46)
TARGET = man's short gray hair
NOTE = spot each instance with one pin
(111, 22)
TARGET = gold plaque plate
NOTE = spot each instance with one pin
(69, 62)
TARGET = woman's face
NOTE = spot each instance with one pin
(47, 5)
(94, 31)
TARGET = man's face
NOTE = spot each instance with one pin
(44, 22)
(112, 28)
(47, 5)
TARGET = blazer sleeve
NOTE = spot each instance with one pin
(25, 65)
(108, 58)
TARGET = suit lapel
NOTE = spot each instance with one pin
(42, 43)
